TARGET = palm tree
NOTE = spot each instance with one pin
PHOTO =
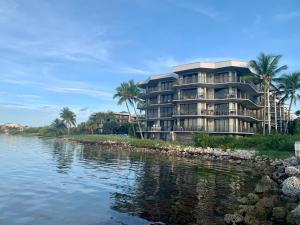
(289, 86)
(68, 117)
(123, 94)
(134, 92)
(265, 68)
(58, 124)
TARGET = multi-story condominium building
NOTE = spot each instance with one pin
(124, 117)
(202, 97)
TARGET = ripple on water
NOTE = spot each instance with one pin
(52, 182)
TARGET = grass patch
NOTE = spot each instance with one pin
(273, 146)
(125, 139)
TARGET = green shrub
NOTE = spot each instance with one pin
(273, 142)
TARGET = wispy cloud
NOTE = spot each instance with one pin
(199, 8)
(81, 91)
(288, 15)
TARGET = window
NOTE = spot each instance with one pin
(166, 85)
(189, 93)
(188, 109)
(166, 98)
(166, 111)
(222, 125)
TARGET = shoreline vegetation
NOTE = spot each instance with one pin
(274, 146)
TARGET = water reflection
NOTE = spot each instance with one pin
(68, 183)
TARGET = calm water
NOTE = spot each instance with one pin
(50, 182)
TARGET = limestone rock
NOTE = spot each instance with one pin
(233, 218)
(279, 213)
(265, 205)
(252, 198)
(243, 209)
(292, 171)
(296, 215)
(291, 186)
(266, 184)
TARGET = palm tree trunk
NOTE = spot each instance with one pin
(280, 116)
(275, 109)
(289, 116)
(138, 120)
(68, 130)
(264, 112)
(129, 118)
(269, 111)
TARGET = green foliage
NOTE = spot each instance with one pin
(272, 145)
(296, 126)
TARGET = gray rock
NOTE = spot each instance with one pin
(252, 198)
(295, 214)
(266, 184)
(292, 171)
(243, 209)
(291, 187)
(233, 218)
(265, 205)
(157, 223)
(279, 213)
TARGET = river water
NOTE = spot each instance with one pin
(53, 182)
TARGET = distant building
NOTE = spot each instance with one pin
(12, 126)
(124, 117)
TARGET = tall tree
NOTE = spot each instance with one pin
(289, 86)
(134, 98)
(68, 117)
(265, 68)
(123, 96)
(58, 126)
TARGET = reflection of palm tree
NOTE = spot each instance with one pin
(68, 117)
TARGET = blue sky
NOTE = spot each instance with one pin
(75, 52)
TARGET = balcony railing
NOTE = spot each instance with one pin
(189, 128)
(217, 81)
(183, 112)
(152, 115)
(166, 114)
(156, 89)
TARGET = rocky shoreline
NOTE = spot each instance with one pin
(217, 154)
(275, 200)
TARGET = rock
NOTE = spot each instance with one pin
(243, 209)
(290, 219)
(233, 218)
(157, 223)
(251, 218)
(266, 184)
(290, 206)
(265, 205)
(243, 200)
(292, 171)
(279, 213)
(252, 198)
(295, 214)
(291, 187)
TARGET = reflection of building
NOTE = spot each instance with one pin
(203, 97)
(124, 117)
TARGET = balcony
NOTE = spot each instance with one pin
(152, 116)
(159, 89)
(164, 115)
(212, 81)
(190, 128)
